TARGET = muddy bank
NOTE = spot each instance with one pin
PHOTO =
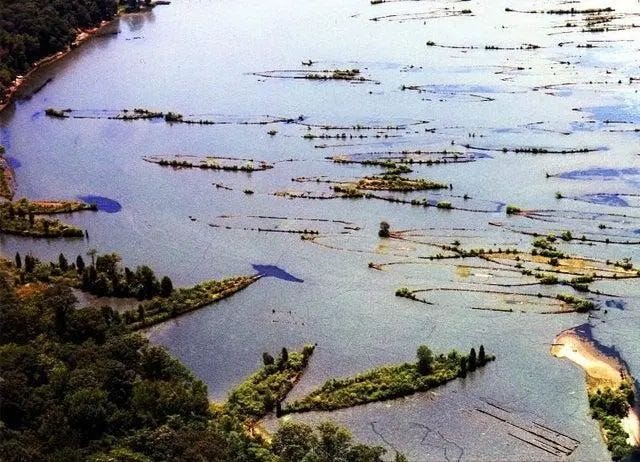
(601, 371)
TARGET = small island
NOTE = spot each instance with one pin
(229, 164)
(390, 382)
(610, 389)
(19, 218)
(396, 183)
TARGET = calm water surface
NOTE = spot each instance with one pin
(197, 58)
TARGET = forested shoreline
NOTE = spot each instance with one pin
(77, 385)
(31, 30)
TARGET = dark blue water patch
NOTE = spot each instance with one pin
(104, 204)
(636, 231)
(601, 173)
(13, 162)
(585, 331)
(617, 304)
(614, 200)
(617, 113)
(272, 271)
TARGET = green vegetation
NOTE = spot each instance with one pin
(625, 264)
(211, 163)
(6, 177)
(384, 230)
(19, 218)
(33, 29)
(60, 114)
(392, 168)
(104, 276)
(77, 386)
(297, 442)
(397, 183)
(184, 300)
(513, 210)
(173, 117)
(544, 247)
(389, 382)
(107, 278)
(547, 279)
(405, 292)
(337, 74)
(268, 387)
(348, 191)
(444, 205)
(608, 406)
(579, 304)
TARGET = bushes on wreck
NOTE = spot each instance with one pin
(384, 230)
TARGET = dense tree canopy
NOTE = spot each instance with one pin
(33, 29)
(78, 386)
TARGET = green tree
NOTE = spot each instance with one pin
(267, 359)
(87, 412)
(473, 362)
(384, 229)
(149, 285)
(108, 263)
(333, 443)
(29, 264)
(482, 358)
(166, 287)
(92, 253)
(284, 358)
(79, 264)
(18, 260)
(425, 359)
(62, 262)
(463, 367)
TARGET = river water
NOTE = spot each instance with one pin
(198, 58)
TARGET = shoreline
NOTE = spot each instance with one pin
(18, 83)
(82, 36)
(600, 371)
